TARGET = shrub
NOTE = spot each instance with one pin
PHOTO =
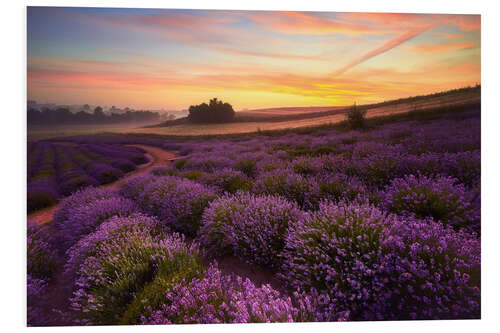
(439, 198)
(118, 262)
(374, 266)
(134, 187)
(74, 183)
(164, 171)
(104, 173)
(339, 187)
(247, 165)
(251, 227)
(35, 292)
(356, 117)
(124, 165)
(216, 298)
(433, 272)
(337, 251)
(84, 219)
(228, 180)
(193, 175)
(306, 166)
(41, 255)
(176, 201)
(41, 194)
(80, 198)
(285, 182)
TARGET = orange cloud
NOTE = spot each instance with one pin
(307, 23)
(439, 48)
(233, 50)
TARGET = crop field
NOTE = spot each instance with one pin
(382, 223)
(57, 169)
(283, 118)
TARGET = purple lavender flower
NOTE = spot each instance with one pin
(116, 262)
(440, 198)
(87, 214)
(216, 298)
(287, 183)
(382, 267)
(249, 226)
(176, 201)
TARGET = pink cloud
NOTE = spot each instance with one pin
(385, 47)
(439, 48)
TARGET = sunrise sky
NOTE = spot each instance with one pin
(159, 58)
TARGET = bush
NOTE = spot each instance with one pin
(104, 173)
(41, 255)
(339, 187)
(80, 198)
(214, 112)
(307, 166)
(251, 227)
(433, 272)
(228, 180)
(216, 298)
(164, 171)
(356, 117)
(287, 183)
(176, 201)
(134, 187)
(439, 198)
(124, 165)
(378, 267)
(35, 292)
(247, 165)
(41, 194)
(85, 218)
(337, 251)
(122, 257)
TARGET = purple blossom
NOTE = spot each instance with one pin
(217, 298)
(249, 226)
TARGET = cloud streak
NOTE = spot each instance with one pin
(385, 47)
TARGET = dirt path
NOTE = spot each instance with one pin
(156, 156)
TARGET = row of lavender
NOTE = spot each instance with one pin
(57, 170)
(374, 225)
(340, 262)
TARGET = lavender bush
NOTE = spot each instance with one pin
(440, 198)
(373, 266)
(117, 262)
(249, 226)
(82, 213)
(286, 183)
(176, 201)
(217, 298)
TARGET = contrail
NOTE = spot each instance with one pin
(386, 47)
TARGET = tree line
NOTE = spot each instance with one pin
(65, 116)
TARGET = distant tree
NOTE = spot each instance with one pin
(98, 112)
(86, 107)
(214, 112)
(356, 117)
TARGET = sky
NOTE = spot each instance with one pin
(171, 59)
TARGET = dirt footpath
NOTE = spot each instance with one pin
(156, 157)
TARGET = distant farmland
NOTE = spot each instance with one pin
(295, 117)
(249, 121)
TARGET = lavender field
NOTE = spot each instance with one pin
(327, 224)
(56, 170)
